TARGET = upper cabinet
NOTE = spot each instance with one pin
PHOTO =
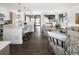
(13, 18)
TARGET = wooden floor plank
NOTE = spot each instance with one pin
(36, 45)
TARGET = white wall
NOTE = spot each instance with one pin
(70, 11)
(71, 15)
(56, 13)
(6, 12)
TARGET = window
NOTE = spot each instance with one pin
(62, 16)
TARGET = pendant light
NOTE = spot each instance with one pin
(19, 15)
(24, 10)
(19, 10)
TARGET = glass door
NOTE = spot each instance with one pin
(33, 18)
(37, 20)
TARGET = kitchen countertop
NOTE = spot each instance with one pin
(58, 35)
(10, 26)
(3, 44)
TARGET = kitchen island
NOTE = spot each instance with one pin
(13, 34)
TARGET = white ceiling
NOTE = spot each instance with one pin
(40, 6)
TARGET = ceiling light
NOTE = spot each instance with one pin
(24, 10)
(19, 10)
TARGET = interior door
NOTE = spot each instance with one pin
(77, 18)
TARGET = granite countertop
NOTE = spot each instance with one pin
(3, 44)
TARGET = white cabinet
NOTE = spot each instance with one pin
(13, 34)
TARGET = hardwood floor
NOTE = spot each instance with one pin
(1, 37)
(36, 45)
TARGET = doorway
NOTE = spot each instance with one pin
(37, 20)
(33, 18)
